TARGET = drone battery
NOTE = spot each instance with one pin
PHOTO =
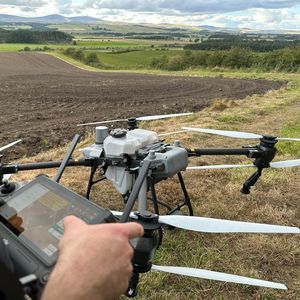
(32, 224)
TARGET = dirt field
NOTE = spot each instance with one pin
(42, 98)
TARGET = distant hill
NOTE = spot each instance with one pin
(48, 19)
(80, 21)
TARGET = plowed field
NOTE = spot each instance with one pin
(43, 98)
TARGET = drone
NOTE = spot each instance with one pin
(134, 160)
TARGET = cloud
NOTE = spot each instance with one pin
(260, 14)
(25, 3)
(196, 6)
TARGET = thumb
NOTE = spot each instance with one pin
(71, 222)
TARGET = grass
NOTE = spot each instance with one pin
(290, 130)
(274, 199)
(134, 59)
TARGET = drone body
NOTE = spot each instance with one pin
(126, 151)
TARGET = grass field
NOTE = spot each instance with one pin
(274, 199)
(111, 43)
(134, 59)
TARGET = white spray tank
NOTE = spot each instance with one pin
(126, 142)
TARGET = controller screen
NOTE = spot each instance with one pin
(37, 215)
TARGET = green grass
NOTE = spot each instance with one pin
(231, 119)
(290, 130)
(134, 59)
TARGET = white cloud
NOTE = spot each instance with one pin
(234, 13)
(196, 6)
(28, 3)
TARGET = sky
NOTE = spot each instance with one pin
(255, 14)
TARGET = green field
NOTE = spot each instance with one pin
(15, 27)
(113, 43)
(88, 43)
(133, 59)
(20, 47)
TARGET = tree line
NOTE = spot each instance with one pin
(287, 59)
(34, 37)
(228, 42)
(89, 58)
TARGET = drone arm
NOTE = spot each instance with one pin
(12, 169)
(200, 152)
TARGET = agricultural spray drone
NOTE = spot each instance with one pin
(135, 160)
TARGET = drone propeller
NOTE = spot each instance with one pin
(211, 225)
(235, 134)
(145, 118)
(9, 145)
(276, 165)
(205, 274)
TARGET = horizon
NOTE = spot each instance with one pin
(262, 15)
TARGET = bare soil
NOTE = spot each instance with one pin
(43, 98)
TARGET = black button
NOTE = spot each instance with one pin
(45, 278)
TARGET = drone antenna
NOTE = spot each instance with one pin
(67, 157)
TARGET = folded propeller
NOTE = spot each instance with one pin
(210, 225)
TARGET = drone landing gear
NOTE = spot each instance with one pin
(92, 181)
(171, 210)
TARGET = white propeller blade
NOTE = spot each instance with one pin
(223, 226)
(234, 134)
(145, 118)
(205, 274)
(9, 145)
(102, 122)
(286, 164)
(276, 165)
(158, 117)
(211, 225)
(288, 139)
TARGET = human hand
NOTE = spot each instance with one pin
(94, 261)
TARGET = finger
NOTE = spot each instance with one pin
(132, 230)
(71, 222)
(16, 221)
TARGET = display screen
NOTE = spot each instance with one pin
(37, 215)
